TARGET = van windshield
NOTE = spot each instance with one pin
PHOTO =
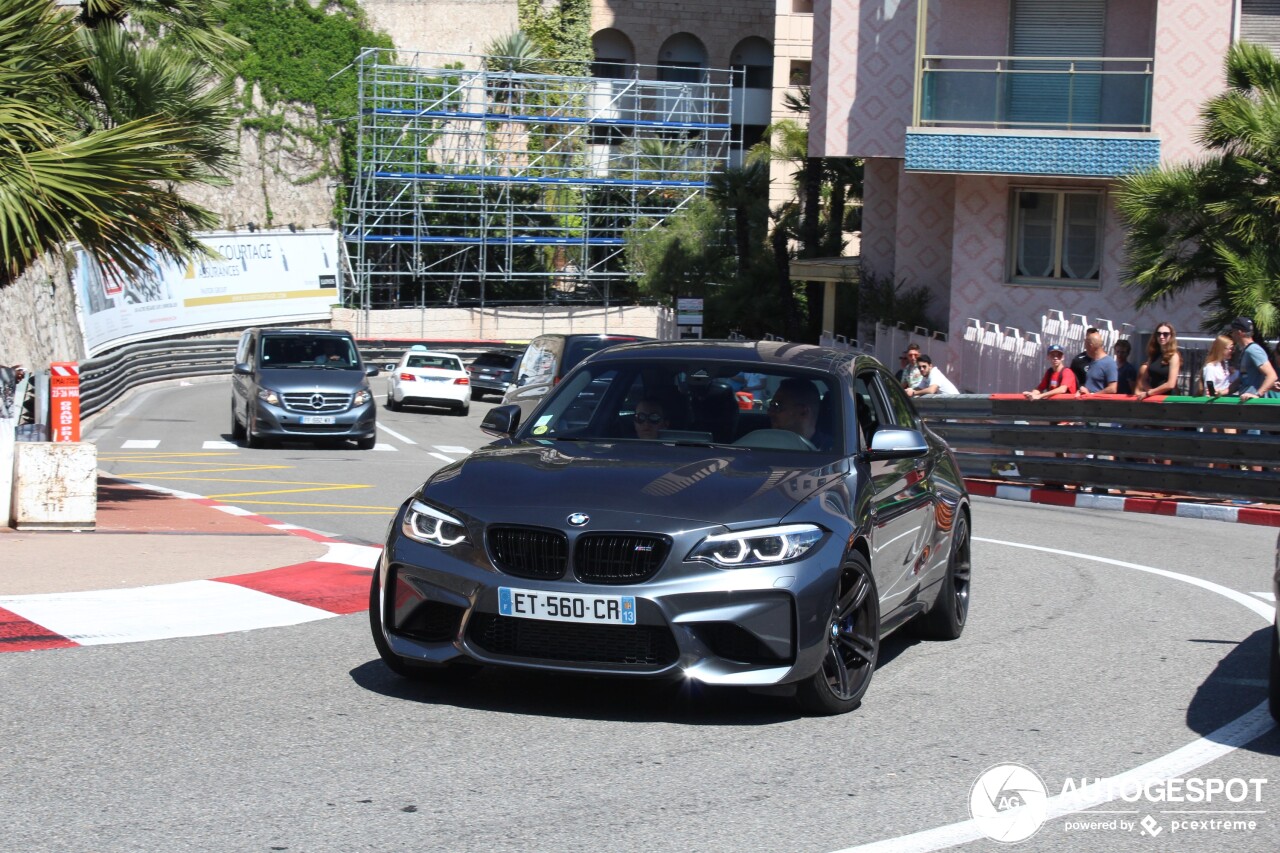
(308, 351)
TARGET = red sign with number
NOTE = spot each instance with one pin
(64, 400)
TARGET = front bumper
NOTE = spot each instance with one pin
(760, 626)
(355, 423)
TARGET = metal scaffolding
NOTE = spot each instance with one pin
(477, 186)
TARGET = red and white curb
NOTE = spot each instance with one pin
(1266, 516)
(334, 584)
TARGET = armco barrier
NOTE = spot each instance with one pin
(1218, 449)
(105, 379)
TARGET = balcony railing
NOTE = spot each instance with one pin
(1081, 93)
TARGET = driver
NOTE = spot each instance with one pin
(650, 418)
(795, 407)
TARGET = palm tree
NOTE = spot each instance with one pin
(1216, 220)
(745, 191)
(81, 164)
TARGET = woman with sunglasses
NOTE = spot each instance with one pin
(1160, 374)
(650, 419)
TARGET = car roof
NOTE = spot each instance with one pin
(781, 353)
(318, 333)
(430, 352)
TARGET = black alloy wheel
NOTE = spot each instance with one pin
(1275, 674)
(854, 645)
(946, 619)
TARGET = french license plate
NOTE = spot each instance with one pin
(567, 606)
(317, 419)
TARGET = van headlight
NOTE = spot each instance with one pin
(269, 396)
(426, 524)
(362, 396)
(763, 546)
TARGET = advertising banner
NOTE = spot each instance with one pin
(260, 277)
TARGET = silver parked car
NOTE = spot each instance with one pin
(646, 521)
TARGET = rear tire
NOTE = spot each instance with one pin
(1275, 674)
(853, 638)
(946, 619)
(465, 409)
(439, 674)
(392, 405)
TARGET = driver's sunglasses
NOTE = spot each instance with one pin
(649, 418)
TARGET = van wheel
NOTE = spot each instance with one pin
(367, 443)
(251, 438)
(237, 431)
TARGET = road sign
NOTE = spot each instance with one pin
(64, 400)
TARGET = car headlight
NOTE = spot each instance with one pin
(430, 526)
(269, 396)
(362, 397)
(764, 546)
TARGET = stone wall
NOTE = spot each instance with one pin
(39, 317)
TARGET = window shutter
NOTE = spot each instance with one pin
(1260, 22)
(1054, 28)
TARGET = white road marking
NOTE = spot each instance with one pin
(389, 431)
(381, 446)
(365, 556)
(441, 457)
(1180, 762)
(219, 445)
(190, 609)
(452, 448)
(140, 444)
(1266, 596)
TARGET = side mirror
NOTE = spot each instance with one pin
(242, 369)
(371, 370)
(898, 444)
(389, 366)
(501, 421)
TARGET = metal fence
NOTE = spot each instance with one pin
(1219, 449)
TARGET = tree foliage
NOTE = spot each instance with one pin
(1217, 220)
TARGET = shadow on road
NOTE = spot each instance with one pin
(1235, 687)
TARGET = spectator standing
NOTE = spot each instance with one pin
(1126, 371)
(1164, 361)
(1217, 377)
(1057, 380)
(1101, 376)
(932, 380)
(909, 375)
(1257, 376)
(1080, 364)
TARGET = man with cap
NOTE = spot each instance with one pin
(1058, 379)
(1257, 376)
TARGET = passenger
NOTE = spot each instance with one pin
(1101, 376)
(1159, 376)
(794, 407)
(1126, 371)
(1257, 376)
(1218, 377)
(651, 418)
(330, 354)
(1057, 380)
(932, 380)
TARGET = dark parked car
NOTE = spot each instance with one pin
(548, 358)
(303, 385)
(494, 371)
(641, 524)
(1275, 639)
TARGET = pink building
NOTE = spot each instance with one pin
(994, 131)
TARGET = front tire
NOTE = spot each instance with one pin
(237, 429)
(853, 645)
(946, 619)
(367, 443)
(251, 437)
(439, 674)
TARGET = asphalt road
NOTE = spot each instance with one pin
(1078, 662)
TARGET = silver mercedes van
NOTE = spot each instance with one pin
(301, 385)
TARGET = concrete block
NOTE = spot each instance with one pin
(55, 485)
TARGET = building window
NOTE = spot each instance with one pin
(752, 76)
(1057, 236)
(800, 72)
(611, 69)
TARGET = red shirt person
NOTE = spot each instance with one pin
(1058, 379)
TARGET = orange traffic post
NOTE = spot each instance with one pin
(64, 400)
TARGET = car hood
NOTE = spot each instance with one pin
(297, 380)
(717, 485)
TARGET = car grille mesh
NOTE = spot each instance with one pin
(307, 402)
(529, 552)
(640, 646)
(619, 558)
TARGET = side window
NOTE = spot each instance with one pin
(242, 351)
(899, 409)
(537, 364)
(868, 406)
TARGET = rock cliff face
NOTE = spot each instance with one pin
(277, 182)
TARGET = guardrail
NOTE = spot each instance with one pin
(105, 379)
(1174, 445)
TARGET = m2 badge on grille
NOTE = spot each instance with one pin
(567, 607)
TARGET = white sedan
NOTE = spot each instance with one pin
(426, 378)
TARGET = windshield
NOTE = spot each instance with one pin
(439, 362)
(308, 351)
(703, 402)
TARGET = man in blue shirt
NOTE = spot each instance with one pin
(1257, 376)
(1101, 376)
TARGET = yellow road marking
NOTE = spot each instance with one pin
(197, 471)
(284, 491)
